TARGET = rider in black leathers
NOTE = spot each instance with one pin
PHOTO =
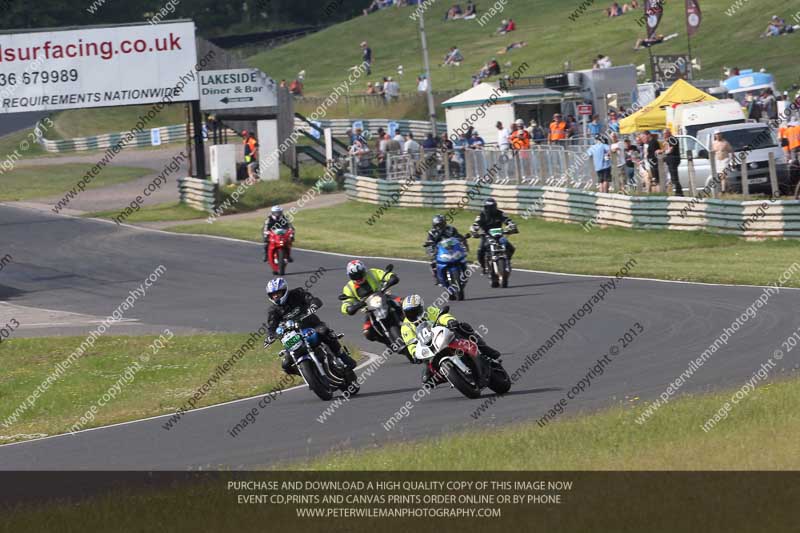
(490, 218)
(440, 230)
(295, 303)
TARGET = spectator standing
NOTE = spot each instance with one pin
(411, 147)
(520, 138)
(399, 138)
(394, 89)
(429, 143)
(395, 144)
(537, 133)
(631, 157)
(296, 87)
(723, 151)
(672, 157)
(250, 153)
(558, 130)
(599, 152)
(445, 143)
(619, 151)
(613, 122)
(476, 142)
(503, 135)
(769, 104)
(572, 126)
(595, 128)
(366, 57)
(360, 151)
(459, 148)
(422, 84)
(653, 148)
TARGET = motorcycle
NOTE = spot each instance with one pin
(279, 244)
(459, 362)
(322, 370)
(497, 256)
(384, 315)
(451, 266)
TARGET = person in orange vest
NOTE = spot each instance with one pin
(793, 134)
(250, 153)
(520, 138)
(558, 129)
(783, 133)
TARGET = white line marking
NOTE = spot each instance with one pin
(370, 358)
(129, 321)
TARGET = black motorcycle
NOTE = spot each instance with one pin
(384, 314)
(496, 255)
(322, 370)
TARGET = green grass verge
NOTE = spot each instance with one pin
(24, 183)
(760, 433)
(261, 194)
(18, 146)
(160, 386)
(541, 245)
(406, 109)
(88, 122)
(155, 213)
(553, 38)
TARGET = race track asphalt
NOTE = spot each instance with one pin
(17, 121)
(88, 267)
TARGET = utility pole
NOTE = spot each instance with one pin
(426, 63)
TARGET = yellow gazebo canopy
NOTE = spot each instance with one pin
(653, 116)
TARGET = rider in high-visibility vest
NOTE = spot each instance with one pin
(520, 138)
(250, 153)
(558, 128)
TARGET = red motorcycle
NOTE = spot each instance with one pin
(279, 246)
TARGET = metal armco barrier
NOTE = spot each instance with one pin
(197, 193)
(169, 134)
(749, 219)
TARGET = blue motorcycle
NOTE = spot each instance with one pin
(322, 370)
(451, 266)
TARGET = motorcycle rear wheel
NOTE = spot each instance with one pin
(316, 383)
(499, 381)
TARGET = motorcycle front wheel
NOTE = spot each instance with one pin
(466, 387)
(503, 274)
(282, 261)
(350, 383)
(318, 384)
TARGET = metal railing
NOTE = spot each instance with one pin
(539, 165)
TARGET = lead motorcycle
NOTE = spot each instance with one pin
(384, 314)
(459, 362)
(279, 246)
(323, 371)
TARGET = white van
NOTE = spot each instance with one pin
(756, 138)
(688, 119)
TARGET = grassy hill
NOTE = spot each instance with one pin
(552, 36)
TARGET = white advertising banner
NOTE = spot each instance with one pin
(98, 67)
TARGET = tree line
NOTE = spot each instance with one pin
(212, 17)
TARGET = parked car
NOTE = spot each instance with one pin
(753, 139)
